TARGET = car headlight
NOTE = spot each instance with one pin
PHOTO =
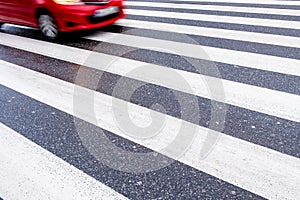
(69, 2)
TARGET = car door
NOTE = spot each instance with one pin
(5, 11)
(19, 11)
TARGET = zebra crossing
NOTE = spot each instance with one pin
(183, 99)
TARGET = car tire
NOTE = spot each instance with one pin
(48, 26)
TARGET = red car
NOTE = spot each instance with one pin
(54, 16)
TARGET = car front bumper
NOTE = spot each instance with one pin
(82, 17)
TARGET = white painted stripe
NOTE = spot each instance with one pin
(271, 11)
(217, 18)
(262, 100)
(28, 171)
(260, 170)
(194, 50)
(268, 2)
(251, 60)
(280, 40)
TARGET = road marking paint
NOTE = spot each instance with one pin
(28, 171)
(217, 18)
(252, 167)
(271, 11)
(263, 38)
(265, 2)
(271, 102)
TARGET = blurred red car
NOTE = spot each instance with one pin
(54, 16)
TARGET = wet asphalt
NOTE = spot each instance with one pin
(55, 130)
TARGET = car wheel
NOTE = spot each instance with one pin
(47, 26)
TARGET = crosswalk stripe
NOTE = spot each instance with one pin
(272, 2)
(215, 54)
(30, 172)
(258, 167)
(216, 18)
(251, 60)
(215, 32)
(262, 100)
(148, 95)
(239, 166)
(55, 131)
(270, 11)
(262, 38)
(284, 83)
(184, 41)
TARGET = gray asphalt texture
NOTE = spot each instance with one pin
(250, 5)
(223, 13)
(272, 132)
(55, 130)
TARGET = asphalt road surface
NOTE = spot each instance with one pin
(183, 99)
